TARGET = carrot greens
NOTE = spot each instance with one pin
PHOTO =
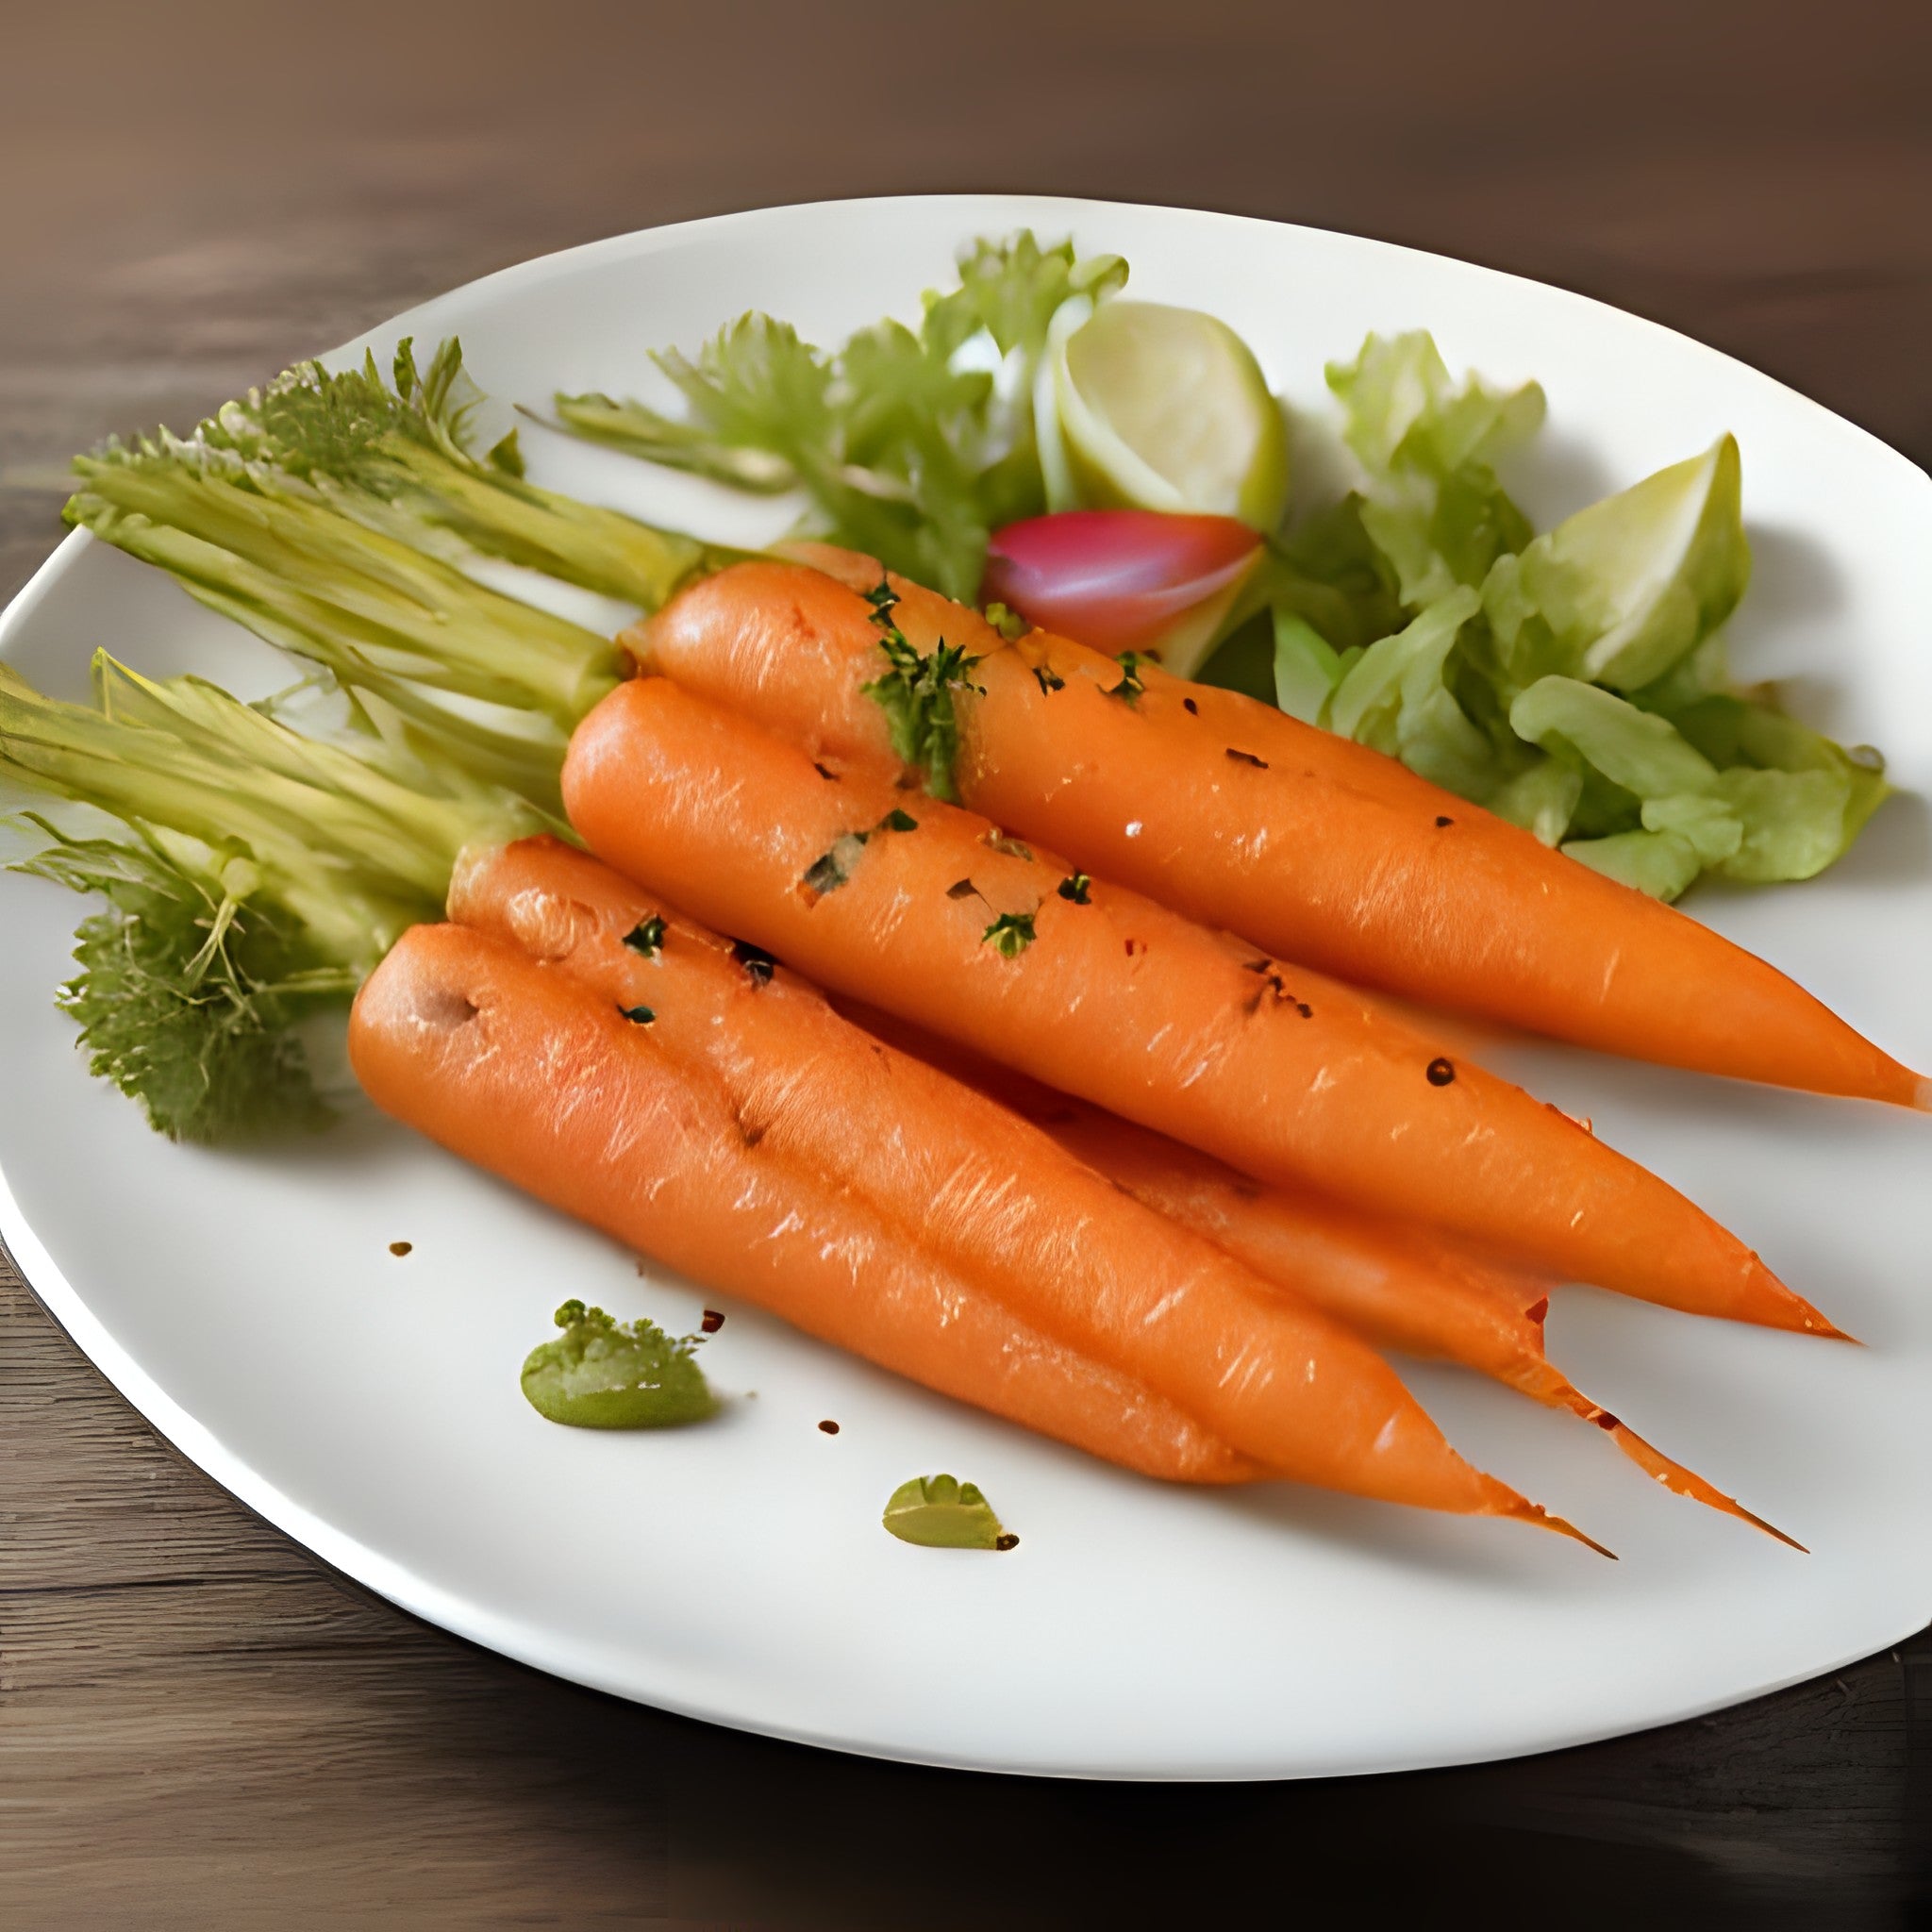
(259, 874)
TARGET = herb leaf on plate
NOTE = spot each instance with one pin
(913, 444)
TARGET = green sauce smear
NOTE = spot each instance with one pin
(940, 1513)
(602, 1373)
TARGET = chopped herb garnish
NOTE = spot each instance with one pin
(962, 888)
(827, 873)
(1047, 679)
(1247, 758)
(1077, 886)
(916, 694)
(1008, 621)
(824, 772)
(647, 936)
(834, 867)
(1010, 934)
(641, 1016)
(1130, 686)
(1442, 822)
(1191, 708)
(757, 963)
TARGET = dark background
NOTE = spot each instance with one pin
(200, 1725)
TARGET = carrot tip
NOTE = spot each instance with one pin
(1784, 1308)
(1830, 1331)
(1570, 1529)
(1684, 1482)
(1526, 1511)
(1752, 1516)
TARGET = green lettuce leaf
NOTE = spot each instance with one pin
(1433, 506)
(1307, 668)
(1784, 803)
(1397, 697)
(1659, 863)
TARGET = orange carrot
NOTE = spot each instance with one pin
(1396, 1285)
(944, 921)
(466, 1039)
(747, 1136)
(1309, 846)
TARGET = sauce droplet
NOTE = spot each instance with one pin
(601, 1373)
(1441, 1073)
(829, 1428)
(400, 1248)
(940, 1512)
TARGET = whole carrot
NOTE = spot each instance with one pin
(1308, 844)
(874, 1202)
(930, 913)
(1396, 1285)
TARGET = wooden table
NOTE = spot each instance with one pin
(201, 1725)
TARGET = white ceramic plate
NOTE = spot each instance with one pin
(249, 1306)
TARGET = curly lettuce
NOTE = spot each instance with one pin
(1575, 681)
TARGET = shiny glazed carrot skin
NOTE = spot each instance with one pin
(1012, 1224)
(1284, 1074)
(527, 1072)
(1308, 844)
(1396, 1285)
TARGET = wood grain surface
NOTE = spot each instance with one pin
(200, 1725)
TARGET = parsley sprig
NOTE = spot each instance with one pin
(916, 694)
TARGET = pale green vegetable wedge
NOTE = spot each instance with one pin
(1167, 409)
(1619, 592)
